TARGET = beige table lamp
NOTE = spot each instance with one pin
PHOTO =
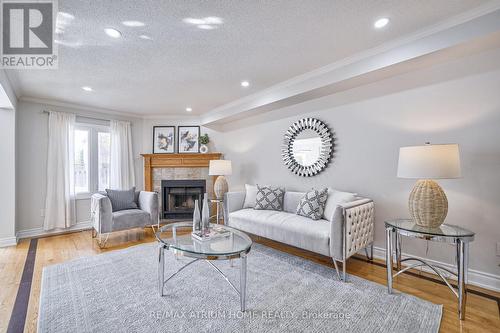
(220, 168)
(427, 203)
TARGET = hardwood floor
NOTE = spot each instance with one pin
(482, 313)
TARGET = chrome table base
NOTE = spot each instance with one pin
(393, 249)
(243, 273)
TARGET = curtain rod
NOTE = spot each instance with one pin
(79, 115)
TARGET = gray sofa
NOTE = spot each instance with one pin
(105, 221)
(349, 230)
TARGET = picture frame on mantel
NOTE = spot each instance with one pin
(188, 139)
(163, 139)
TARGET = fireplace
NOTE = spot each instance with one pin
(178, 197)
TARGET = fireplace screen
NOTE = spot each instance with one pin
(178, 197)
(182, 199)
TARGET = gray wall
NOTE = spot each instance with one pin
(457, 102)
(147, 130)
(32, 140)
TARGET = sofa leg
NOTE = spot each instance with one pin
(344, 274)
(337, 268)
(369, 257)
(94, 233)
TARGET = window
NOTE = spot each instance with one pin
(82, 173)
(92, 158)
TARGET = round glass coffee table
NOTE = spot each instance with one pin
(177, 238)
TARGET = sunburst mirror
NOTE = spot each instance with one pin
(307, 147)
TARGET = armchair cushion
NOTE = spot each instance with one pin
(121, 200)
(130, 218)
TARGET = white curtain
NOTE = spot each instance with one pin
(122, 175)
(60, 199)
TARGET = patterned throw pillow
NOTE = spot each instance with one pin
(312, 204)
(270, 198)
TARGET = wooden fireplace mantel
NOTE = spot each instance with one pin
(174, 161)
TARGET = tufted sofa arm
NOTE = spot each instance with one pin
(359, 218)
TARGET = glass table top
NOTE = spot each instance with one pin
(445, 230)
(178, 236)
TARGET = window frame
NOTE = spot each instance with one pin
(93, 149)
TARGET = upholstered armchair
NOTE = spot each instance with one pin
(105, 220)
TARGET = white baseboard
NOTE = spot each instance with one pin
(8, 241)
(475, 277)
(39, 232)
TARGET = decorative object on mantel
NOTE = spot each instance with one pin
(204, 140)
(428, 204)
(188, 139)
(308, 147)
(163, 139)
(220, 168)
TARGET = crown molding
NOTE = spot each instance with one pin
(81, 107)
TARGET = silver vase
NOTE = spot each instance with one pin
(196, 217)
(205, 215)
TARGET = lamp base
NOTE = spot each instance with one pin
(428, 204)
(220, 187)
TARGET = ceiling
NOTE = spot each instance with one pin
(264, 42)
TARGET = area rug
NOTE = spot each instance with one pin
(117, 292)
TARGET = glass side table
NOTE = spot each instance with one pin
(446, 233)
(218, 204)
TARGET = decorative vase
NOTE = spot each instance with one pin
(428, 204)
(196, 217)
(203, 149)
(205, 215)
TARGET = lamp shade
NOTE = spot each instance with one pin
(429, 162)
(220, 168)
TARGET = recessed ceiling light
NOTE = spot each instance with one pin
(64, 15)
(206, 23)
(87, 88)
(213, 20)
(380, 23)
(113, 33)
(146, 37)
(245, 83)
(190, 20)
(206, 27)
(188, 109)
(133, 23)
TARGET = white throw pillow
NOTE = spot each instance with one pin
(332, 210)
(292, 200)
(250, 194)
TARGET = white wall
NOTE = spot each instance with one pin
(452, 109)
(32, 139)
(7, 176)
